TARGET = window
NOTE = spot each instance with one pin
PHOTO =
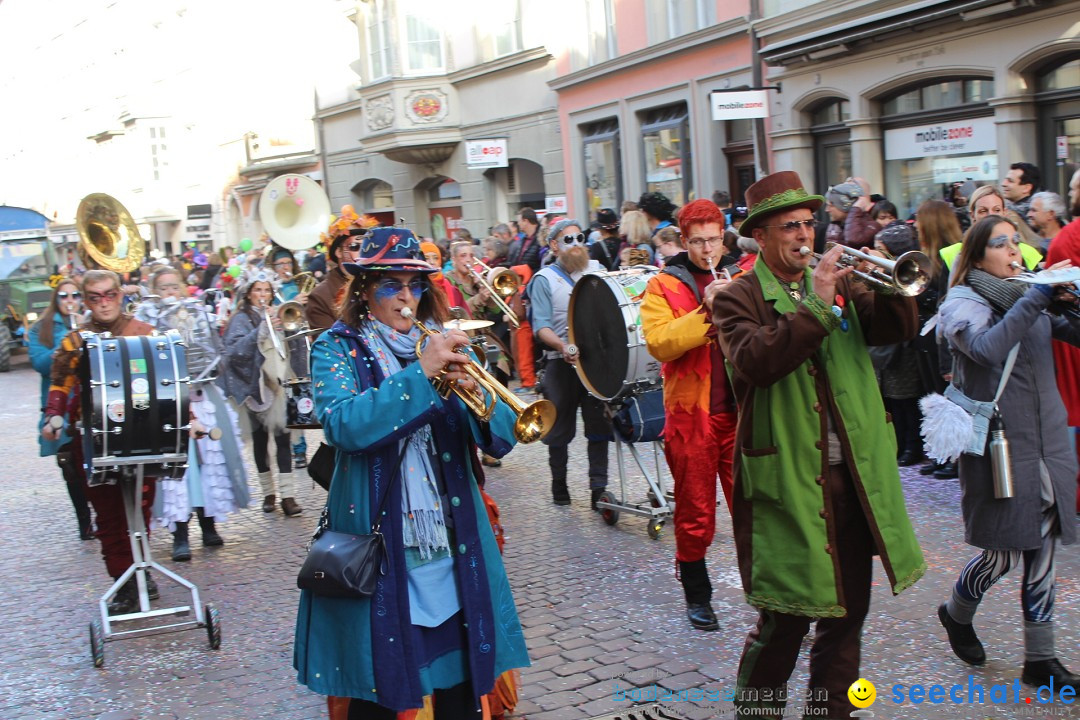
(423, 43)
(1058, 109)
(832, 142)
(666, 136)
(1062, 77)
(939, 96)
(603, 168)
(600, 24)
(377, 22)
(379, 196)
(833, 111)
(498, 28)
(671, 18)
(446, 190)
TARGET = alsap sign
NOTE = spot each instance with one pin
(486, 153)
(977, 135)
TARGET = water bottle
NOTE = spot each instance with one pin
(1000, 459)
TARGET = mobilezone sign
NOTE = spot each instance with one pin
(977, 135)
(739, 105)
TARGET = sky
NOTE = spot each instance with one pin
(70, 68)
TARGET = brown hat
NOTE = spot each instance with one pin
(780, 191)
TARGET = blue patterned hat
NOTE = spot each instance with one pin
(390, 249)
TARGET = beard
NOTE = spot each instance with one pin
(574, 259)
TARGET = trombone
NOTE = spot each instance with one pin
(502, 283)
(907, 275)
(533, 420)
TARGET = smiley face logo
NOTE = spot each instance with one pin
(862, 693)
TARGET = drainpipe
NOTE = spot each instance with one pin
(761, 147)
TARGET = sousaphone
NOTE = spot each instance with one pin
(294, 211)
(108, 236)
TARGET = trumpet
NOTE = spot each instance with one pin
(907, 275)
(274, 339)
(1062, 306)
(534, 420)
(502, 283)
(292, 317)
(305, 282)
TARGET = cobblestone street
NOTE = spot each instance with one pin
(600, 605)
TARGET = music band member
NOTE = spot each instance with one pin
(549, 294)
(254, 371)
(699, 406)
(444, 592)
(103, 296)
(324, 302)
(817, 490)
(64, 313)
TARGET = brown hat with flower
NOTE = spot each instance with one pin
(780, 191)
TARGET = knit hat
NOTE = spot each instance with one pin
(554, 230)
(844, 195)
(898, 237)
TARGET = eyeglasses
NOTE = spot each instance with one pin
(575, 239)
(64, 295)
(390, 288)
(354, 247)
(99, 298)
(794, 225)
(702, 242)
(1000, 241)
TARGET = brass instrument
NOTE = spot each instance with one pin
(292, 317)
(502, 284)
(274, 339)
(533, 420)
(294, 210)
(907, 275)
(108, 237)
(305, 282)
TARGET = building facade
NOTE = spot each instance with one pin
(917, 96)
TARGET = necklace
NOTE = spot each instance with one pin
(794, 291)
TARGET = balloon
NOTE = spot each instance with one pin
(235, 271)
(245, 244)
(191, 245)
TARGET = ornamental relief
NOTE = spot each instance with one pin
(426, 106)
(379, 112)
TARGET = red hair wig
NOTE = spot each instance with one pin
(699, 212)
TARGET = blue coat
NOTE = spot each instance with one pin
(362, 648)
(41, 357)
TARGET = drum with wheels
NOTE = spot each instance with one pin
(299, 406)
(605, 325)
(134, 393)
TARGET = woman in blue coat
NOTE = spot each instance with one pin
(64, 312)
(441, 625)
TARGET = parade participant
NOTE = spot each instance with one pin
(63, 315)
(444, 592)
(254, 373)
(286, 290)
(699, 417)
(606, 250)
(525, 251)
(658, 210)
(103, 296)
(215, 482)
(549, 292)
(1067, 358)
(817, 491)
(668, 244)
(323, 303)
(477, 298)
(984, 318)
(433, 256)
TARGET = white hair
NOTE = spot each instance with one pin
(748, 244)
(1051, 201)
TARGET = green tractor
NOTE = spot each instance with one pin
(27, 264)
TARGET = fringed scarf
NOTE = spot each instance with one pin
(1001, 295)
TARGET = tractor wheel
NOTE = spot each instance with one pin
(5, 348)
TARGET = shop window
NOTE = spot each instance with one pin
(832, 142)
(603, 166)
(377, 30)
(1058, 109)
(666, 137)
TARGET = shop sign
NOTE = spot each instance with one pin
(977, 135)
(486, 153)
(950, 169)
(739, 105)
(555, 204)
(1062, 147)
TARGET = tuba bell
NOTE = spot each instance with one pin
(294, 211)
(108, 237)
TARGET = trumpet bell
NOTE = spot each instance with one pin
(108, 236)
(534, 421)
(504, 281)
(911, 274)
(292, 317)
(294, 210)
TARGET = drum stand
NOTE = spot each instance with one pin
(101, 631)
(657, 507)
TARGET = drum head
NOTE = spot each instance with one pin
(598, 328)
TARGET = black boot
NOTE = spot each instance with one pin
(698, 589)
(74, 484)
(948, 471)
(596, 493)
(181, 550)
(557, 460)
(1045, 672)
(962, 638)
(930, 468)
(126, 599)
(560, 494)
(210, 537)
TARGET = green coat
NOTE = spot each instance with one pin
(788, 363)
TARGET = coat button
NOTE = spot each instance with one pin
(820, 480)
(461, 549)
(817, 407)
(828, 549)
(818, 444)
(823, 513)
(446, 457)
(811, 370)
(455, 501)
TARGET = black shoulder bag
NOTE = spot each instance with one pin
(344, 565)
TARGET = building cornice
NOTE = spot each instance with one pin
(668, 48)
(507, 62)
(341, 109)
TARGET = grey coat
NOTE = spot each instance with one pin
(1031, 407)
(243, 361)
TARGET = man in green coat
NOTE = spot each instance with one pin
(817, 492)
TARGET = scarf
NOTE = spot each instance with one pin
(423, 525)
(1000, 294)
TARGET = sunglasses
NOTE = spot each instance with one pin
(575, 239)
(386, 289)
(99, 298)
(794, 225)
(354, 247)
(1000, 241)
(64, 295)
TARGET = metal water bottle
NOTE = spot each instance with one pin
(1000, 459)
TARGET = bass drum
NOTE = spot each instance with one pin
(134, 393)
(299, 406)
(605, 324)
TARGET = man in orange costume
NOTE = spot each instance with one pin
(700, 415)
(1066, 246)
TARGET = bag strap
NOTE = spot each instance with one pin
(562, 273)
(386, 495)
(1009, 362)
